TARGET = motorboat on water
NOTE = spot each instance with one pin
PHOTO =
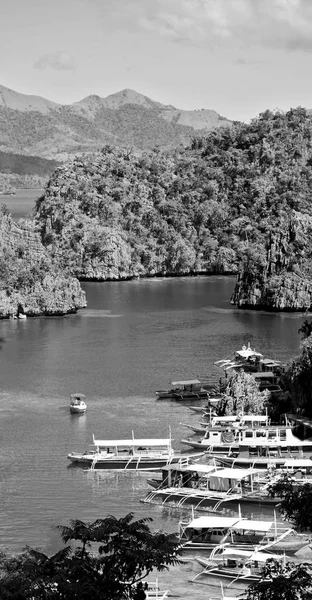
(129, 454)
(77, 404)
(203, 534)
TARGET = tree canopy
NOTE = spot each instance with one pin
(110, 556)
(282, 582)
(296, 501)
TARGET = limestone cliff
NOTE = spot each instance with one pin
(31, 283)
(283, 281)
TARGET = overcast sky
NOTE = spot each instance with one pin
(237, 57)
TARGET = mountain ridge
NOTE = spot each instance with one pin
(37, 126)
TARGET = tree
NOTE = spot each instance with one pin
(282, 582)
(243, 395)
(297, 378)
(296, 501)
(112, 555)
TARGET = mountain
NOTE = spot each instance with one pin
(32, 125)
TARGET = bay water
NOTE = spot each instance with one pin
(133, 338)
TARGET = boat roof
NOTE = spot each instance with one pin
(298, 462)
(185, 382)
(215, 522)
(251, 525)
(133, 442)
(263, 375)
(253, 555)
(202, 468)
(247, 353)
(259, 418)
(232, 473)
(77, 396)
(226, 418)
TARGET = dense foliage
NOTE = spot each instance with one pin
(242, 396)
(237, 199)
(31, 281)
(280, 581)
(298, 376)
(296, 501)
(110, 557)
(26, 165)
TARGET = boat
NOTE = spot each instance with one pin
(264, 453)
(154, 592)
(222, 423)
(77, 403)
(236, 566)
(204, 533)
(189, 389)
(209, 488)
(129, 454)
(250, 361)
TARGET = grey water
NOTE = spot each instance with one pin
(133, 338)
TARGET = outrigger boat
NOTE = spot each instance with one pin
(77, 403)
(237, 422)
(264, 453)
(205, 533)
(237, 566)
(250, 361)
(131, 454)
(190, 389)
(230, 438)
(209, 488)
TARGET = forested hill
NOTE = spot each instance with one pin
(238, 199)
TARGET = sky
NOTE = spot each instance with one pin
(238, 57)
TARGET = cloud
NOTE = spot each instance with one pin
(59, 61)
(281, 24)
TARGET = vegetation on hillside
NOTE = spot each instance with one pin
(26, 165)
(237, 199)
(31, 281)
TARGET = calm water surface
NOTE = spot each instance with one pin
(22, 203)
(133, 338)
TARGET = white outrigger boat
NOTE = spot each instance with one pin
(141, 454)
(239, 567)
(203, 534)
(209, 488)
(77, 404)
(233, 438)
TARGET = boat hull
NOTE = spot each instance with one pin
(132, 463)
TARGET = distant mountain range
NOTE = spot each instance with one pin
(31, 125)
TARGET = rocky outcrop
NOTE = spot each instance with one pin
(31, 283)
(282, 282)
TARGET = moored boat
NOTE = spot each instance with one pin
(203, 534)
(208, 488)
(77, 403)
(237, 566)
(131, 454)
(189, 389)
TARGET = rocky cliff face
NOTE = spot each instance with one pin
(30, 282)
(284, 280)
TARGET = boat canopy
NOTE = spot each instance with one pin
(251, 525)
(247, 352)
(251, 418)
(77, 397)
(212, 522)
(205, 469)
(232, 473)
(225, 419)
(186, 382)
(132, 442)
(298, 463)
(263, 375)
(255, 555)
